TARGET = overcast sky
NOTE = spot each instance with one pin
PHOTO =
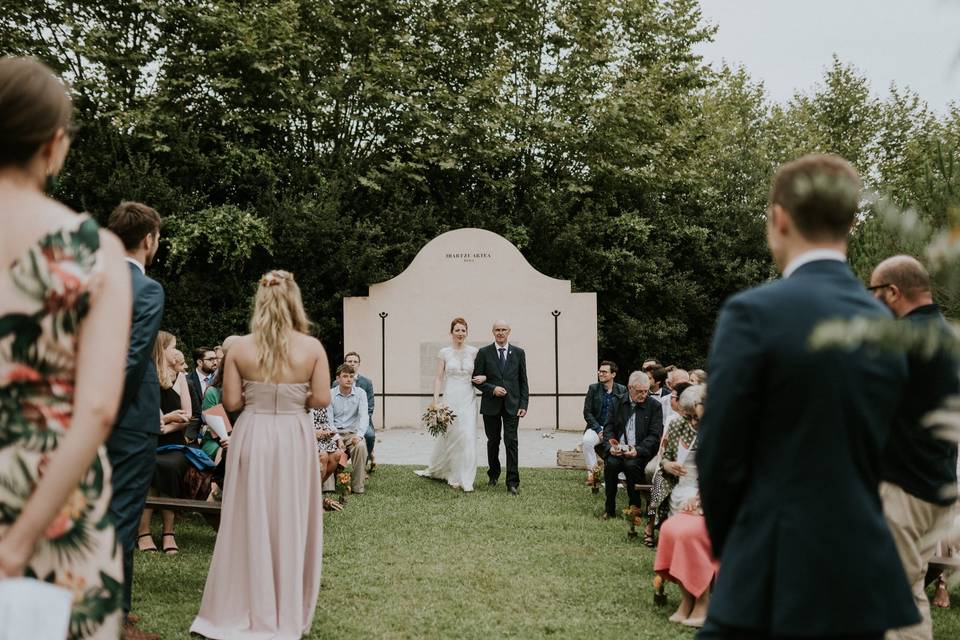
(788, 43)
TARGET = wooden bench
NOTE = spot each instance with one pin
(209, 510)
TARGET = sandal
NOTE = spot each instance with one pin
(173, 549)
(329, 504)
(152, 549)
(648, 539)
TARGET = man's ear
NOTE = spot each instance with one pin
(780, 219)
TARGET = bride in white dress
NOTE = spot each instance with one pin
(454, 457)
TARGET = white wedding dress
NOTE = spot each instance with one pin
(454, 457)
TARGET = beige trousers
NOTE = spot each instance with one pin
(358, 460)
(914, 524)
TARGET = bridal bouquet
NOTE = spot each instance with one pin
(437, 419)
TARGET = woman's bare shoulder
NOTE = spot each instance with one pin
(306, 341)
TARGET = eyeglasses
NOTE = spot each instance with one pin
(214, 359)
(879, 286)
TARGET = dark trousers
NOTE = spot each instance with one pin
(632, 468)
(492, 424)
(714, 631)
(133, 455)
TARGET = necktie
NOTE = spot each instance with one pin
(503, 357)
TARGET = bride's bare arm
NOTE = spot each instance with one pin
(438, 380)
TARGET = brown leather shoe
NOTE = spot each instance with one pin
(133, 619)
(130, 632)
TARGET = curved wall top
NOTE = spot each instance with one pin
(482, 277)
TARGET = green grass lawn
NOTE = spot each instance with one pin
(415, 559)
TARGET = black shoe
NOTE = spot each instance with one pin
(513, 491)
(492, 482)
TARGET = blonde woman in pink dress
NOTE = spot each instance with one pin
(265, 574)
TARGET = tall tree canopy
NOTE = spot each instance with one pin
(334, 138)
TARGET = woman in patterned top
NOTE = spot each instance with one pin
(681, 433)
(65, 305)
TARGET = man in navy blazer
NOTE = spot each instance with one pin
(504, 401)
(133, 441)
(792, 436)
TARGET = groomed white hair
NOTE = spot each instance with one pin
(638, 379)
(691, 397)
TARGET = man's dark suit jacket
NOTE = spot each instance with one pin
(789, 464)
(513, 378)
(915, 459)
(140, 403)
(366, 384)
(648, 426)
(593, 405)
(196, 404)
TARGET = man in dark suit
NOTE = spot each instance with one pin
(205, 369)
(919, 469)
(133, 441)
(630, 439)
(598, 407)
(792, 435)
(504, 401)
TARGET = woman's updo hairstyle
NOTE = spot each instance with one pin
(34, 104)
(277, 310)
(456, 321)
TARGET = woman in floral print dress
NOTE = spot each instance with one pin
(64, 299)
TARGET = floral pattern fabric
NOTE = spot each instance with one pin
(678, 431)
(45, 296)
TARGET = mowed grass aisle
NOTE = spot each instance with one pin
(414, 559)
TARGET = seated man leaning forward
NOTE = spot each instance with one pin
(630, 439)
(349, 418)
(598, 407)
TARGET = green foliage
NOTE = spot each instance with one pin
(225, 235)
(334, 138)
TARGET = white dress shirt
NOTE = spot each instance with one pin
(631, 429)
(348, 413)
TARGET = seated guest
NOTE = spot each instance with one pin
(349, 418)
(630, 438)
(675, 377)
(698, 376)
(653, 471)
(602, 397)
(331, 452)
(658, 382)
(171, 466)
(199, 379)
(210, 442)
(353, 359)
(329, 444)
(684, 554)
(677, 441)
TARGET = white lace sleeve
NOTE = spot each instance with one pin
(442, 354)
